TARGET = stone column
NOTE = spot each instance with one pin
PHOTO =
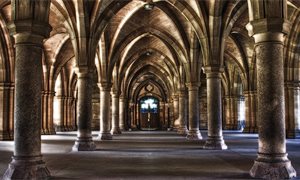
(122, 104)
(240, 116)
(50, 123)
(182, 129)
(84, 140)
(6, 117)
(227, 113)
(27, 161)
(61, 121)
(115, 114)
(69, 102)
(214, 109)
(250, 112)
(194, 132)
(47, 112)
(272, 161)
(175, 110)
(105, 121)
(293, 110)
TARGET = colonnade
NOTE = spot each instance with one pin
(27, 161)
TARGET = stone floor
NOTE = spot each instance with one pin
(150, 155)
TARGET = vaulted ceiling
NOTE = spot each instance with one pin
(130, 41)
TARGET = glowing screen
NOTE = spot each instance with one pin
(149, 104)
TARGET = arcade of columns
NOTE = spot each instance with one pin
(127, 46)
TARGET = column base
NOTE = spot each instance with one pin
(115, 131)
(272, 167)
(194, 135)
(182, 131)
(170, 129)
(246, 129)
(215, 143)
(27, 168)
(105, 136)
(228, 127)
(61, 129)
(52, 131)
(5, 135)
(293, 134)
(122, 127)
(176, 123)
(84, 144)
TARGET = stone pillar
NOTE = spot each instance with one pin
(250, 112)
(115, 114)
(6, 109)
(240, 113)
(176, 110)
(84, 140)
(237, 117)
(227, 112)
(194, 132)
(105, 121)
(69, 103)
(27, 161)
(47, 112)
(214, 109)
(61, 121)
(122, 104)
(182, 129)
(272, 161)
(293, 110)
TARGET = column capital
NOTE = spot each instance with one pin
(174, 96)
(115, 94)
(181, 94)
(105, 86)
(213, 72)
(29, 31)
(268, 29)
(193, 86)
(83, 72)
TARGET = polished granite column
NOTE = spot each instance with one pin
(272, 161)
(115, 114)
(105, 121)
(214, 109)
(84, 140)
(182, 129)
(27, 161)
(194, 132)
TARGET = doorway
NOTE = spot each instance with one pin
(149, 113)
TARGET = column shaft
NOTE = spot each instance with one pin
(105, 121)
(194, 132)
(84, 140)
(292, 111)
(272, 161)
(176, 111)
(214, 110)
(27, 159)
(182, 129)
(122, 102)
(115, 114)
